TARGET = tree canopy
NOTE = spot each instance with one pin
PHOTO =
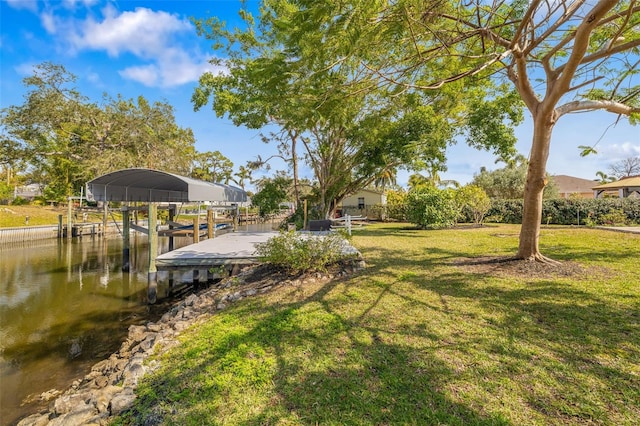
(509, 181)
(212, 166)
(67, 140)
(284, 68)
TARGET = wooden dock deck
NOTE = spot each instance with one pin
(233, 248)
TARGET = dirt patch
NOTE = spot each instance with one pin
(505, 266)
(265, 275)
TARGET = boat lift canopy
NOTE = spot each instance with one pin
(154, 186)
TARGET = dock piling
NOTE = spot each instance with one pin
(125, 239)
(172, 215)
(210, 223)
(152, 285)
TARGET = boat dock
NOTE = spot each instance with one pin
(230, 249)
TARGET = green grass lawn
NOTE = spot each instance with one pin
(14, 216)
(414, 339)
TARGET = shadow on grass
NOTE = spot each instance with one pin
(332, 372)
(408, 341)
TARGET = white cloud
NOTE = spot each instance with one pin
(621, 151)
(154, 48)
(145, 74)
(25, 69)
(170, 70)
(31, 5)
(152, 37)
(71, 4)
(94, 78)
(48, 21)
(143, 32)
(177, 67)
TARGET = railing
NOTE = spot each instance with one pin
(347, 222)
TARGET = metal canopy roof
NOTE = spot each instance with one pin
(147, 185)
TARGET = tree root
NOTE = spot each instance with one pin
(537, 257)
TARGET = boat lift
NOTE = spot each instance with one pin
(155, 187)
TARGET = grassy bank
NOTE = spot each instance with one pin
(15, 216)
(428, 333)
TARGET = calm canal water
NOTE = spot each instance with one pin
(64, 307)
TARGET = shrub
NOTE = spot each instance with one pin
(614, 217)
(506, 211)
(396, 208)
(19, 201)
(562, 211)
(473, 203)
(430, 207)
(297, 253)
(271, 194)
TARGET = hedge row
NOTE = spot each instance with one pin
(561, 211)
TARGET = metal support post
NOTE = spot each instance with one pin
(125, 239)
(152, 277)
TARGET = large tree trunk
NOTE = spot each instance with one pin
(293, 136)
(294, 164)
(534, 187)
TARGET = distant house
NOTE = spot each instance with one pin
(28, 192)
(571, 186)
(365, 202)
(625, 187)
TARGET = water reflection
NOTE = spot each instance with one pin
(63, 307)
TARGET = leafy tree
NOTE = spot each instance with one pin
(243, 174)
(48, 127)
(397, 205)
(473, 200)
(629, 166)
(605, 178)
(68, 140)
(386, 179)
(212, 167)
(282, 70)
(141, 134)
(506, 183)
(432, 178)
(287, 140)
(509, 182)
(417, 180)
(11, 163)
(6, 192)
(560, 57)
(271, 193)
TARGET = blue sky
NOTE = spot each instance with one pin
(151, 48)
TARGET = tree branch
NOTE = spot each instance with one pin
(625, 13)
(606, 53)
(580, 45)
(440, 83)
(592, 105)
(568, 13)
(524, 22)
(520, 79)
(586, 83)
